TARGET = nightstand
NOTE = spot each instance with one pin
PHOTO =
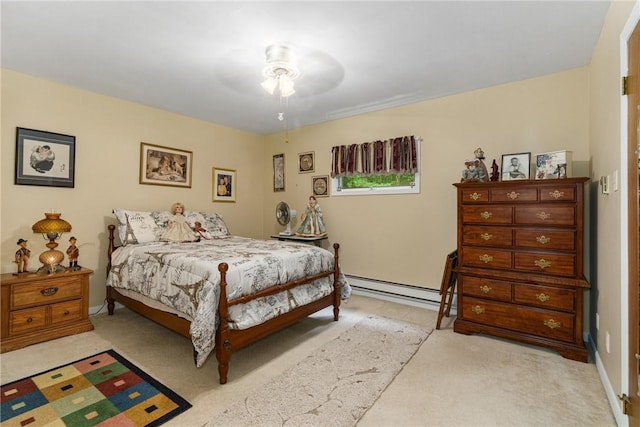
(41, 307)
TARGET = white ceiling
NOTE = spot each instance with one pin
(204, 59)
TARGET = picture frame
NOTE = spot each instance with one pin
(320, 185)
(168, 166)
(224, 185)
(44, 158)
(306, 162)
(515, 166)
(278, 172)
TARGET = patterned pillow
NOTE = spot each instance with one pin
(137, 226)
(214, 223)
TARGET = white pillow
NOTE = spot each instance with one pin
(137, 226)
(215, 225)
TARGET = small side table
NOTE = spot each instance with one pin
(317, 241)
(41, 307)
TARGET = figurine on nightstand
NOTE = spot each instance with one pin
(22, 256)
(73, 252)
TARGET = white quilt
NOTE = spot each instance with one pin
(185, 277)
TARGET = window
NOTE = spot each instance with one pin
(381, 167)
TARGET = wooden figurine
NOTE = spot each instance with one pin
(73, 252)
(22, 256)
(495, 175)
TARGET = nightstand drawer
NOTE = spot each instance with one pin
(486, 258)
(554, 264)
(487, 236)
(46, 292)
(486, 288)
(545, 297)
(487, 214)
(514, 195)
(30, 319)
(546, 239)
(67, 311)
(546, 215)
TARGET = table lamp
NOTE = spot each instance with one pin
(51, 228)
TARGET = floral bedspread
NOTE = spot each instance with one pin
(185, 277)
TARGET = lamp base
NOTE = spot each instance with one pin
(51, 269)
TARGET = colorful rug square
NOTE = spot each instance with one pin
(101, 390)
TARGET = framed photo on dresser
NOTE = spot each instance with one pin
(515, 166)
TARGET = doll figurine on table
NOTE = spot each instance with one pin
(201, 231)
(22, 256)
(178, 230)
(73, 253)
(312, 224)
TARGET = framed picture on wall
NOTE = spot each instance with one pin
(515, 166)
(278, 172)
(306, 162)
(320, 185)
(165, 166)
(45, 158)
(224, 185)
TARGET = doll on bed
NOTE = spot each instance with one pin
(201, 231)
(178, 229)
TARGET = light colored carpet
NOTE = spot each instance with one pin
(337, 383)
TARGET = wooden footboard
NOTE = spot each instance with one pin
(229, 340)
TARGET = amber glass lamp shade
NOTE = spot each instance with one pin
(51, 228)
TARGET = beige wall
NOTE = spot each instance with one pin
(405, 238)
(108, 133)
(604, 145)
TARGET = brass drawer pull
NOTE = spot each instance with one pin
(477, 309)
(543, 215)
(552, 324)
(486, 258)
(474, 196)
(486, 215)
(543, 297)
(486, 236)
(542, 263)
(47, 292)
(485, 289)
(543, 240)
(556, 194)
(513, 195)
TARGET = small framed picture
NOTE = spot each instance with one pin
(278, 172)
(515, 166)
(165, 166)
(320, 185)
(224, 185)
(306, 162)
(45, 158)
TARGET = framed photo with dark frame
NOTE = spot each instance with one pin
(306, 162)
(515, 166)
(278, 172)
(45, 158)
(165, 166)
(320, 186)
(224, 185)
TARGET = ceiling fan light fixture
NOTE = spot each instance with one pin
(280, 71)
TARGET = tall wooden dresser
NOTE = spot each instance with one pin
(520, 262)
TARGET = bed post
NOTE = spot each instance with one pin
(110, 249)
(223, 345)
(336, 281)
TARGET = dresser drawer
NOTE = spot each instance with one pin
(475, 196)
(558, 194)
(545, 239)
(545, 215)
(487, 236)
(486, 288)
(486, 258)
(36, 293)
(26, 320)
(555, 264)
(514, 195)
(543, 323)
(545, 297)
(68, 311)
(487, 214)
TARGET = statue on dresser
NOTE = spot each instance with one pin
(475, 170)
(22, 256)
(73, 253)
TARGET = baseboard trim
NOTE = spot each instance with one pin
(399, 293)
(621, 419)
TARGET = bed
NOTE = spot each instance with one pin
(224, 292)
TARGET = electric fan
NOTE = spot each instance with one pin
(284, 215)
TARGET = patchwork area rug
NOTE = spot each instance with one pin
(103, 389)
(336, 384)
